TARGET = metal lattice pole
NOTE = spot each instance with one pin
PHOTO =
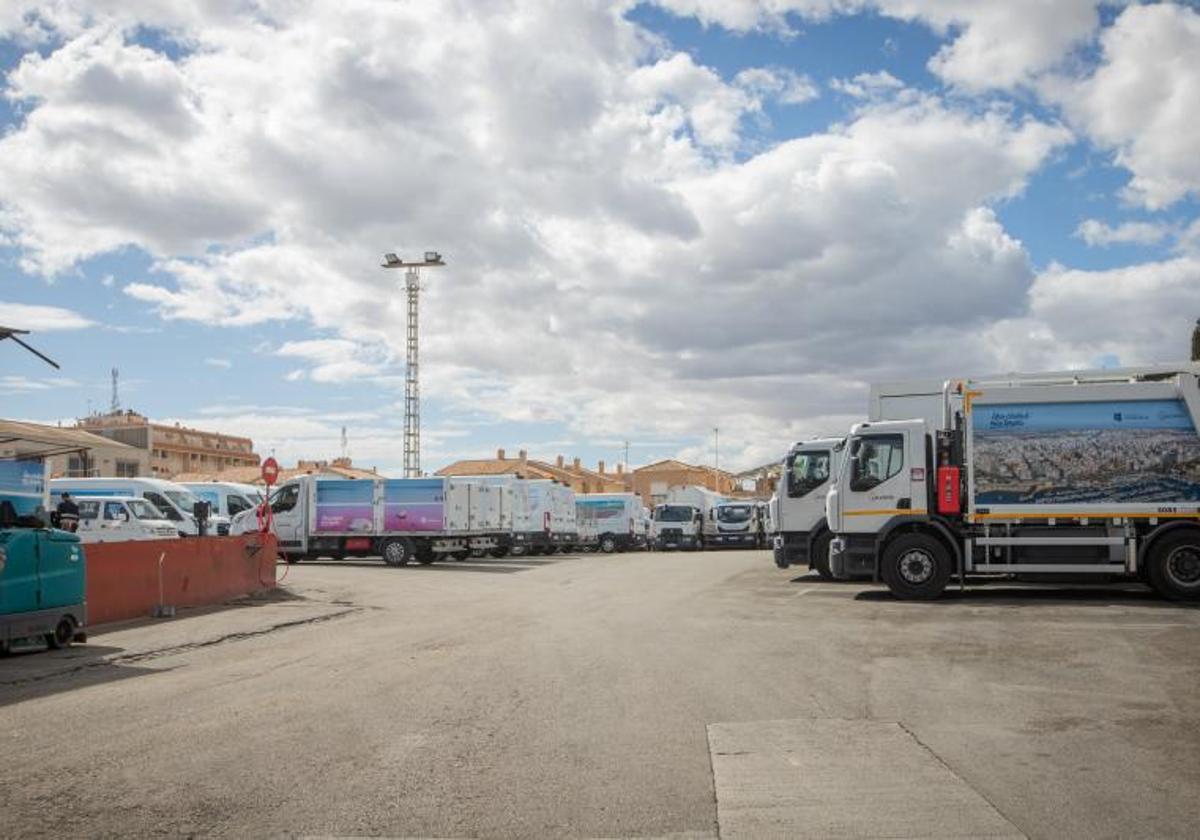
(412, 371)
(412, 379)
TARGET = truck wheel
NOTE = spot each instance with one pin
(1174, 568)
(461, 555)
(607, 544)
(63, 633)
(426, 556)
(397, 552)
(915, 567)
(820, 558)
(499, 551)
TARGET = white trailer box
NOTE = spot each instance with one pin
(610, 521)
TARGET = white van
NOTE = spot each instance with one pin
(174, 500)
(227, 498)
(122, 518)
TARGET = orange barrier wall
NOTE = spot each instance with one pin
(122, 578)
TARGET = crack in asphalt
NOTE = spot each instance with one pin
(158, 653)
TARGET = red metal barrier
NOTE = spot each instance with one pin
(123, 578)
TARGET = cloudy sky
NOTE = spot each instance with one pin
(658, 217)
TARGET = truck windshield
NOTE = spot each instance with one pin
(673, 513)
(741, 513)
(806, 472)
(144, 510)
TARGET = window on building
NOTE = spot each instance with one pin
(80, 465)
(127, 469)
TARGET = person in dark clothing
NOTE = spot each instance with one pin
(68, 513)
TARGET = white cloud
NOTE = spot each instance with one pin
(992, 44)
(212, 361)
(25, 316)
(14, 385)
(781, 84)
(618, 259)
(1141, 100)
(868, 85)
(1096, 233)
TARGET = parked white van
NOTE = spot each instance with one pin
(227, 498)
(174, 500)
(122, 518)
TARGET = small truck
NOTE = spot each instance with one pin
(609, 522)
(1092, 474)
(42, 587)
(801, 535)
(402, 520)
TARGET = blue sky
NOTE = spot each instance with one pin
(578, 191)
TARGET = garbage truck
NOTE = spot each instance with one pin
(1081, 473)
(802, 536)
(42, 570)
(401, 520)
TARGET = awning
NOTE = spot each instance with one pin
(34, 440)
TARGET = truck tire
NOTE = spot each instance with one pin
(820, 558)
(499, 551)
(1174, 568)
(608, 543)
(397, 552)
(63, 635)
(915, 567)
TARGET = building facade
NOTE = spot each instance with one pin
(653, 481)
(171, 449)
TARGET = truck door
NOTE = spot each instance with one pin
(60, 569)
(879, 485)
(288, 515)
(807, 481)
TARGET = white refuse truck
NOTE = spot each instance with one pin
(1090, 473)
(400, 519)
(680, 521)
(802, 535)
(609, 522)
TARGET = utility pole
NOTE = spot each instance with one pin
(412, 379)
(716, 459)
(116, 399)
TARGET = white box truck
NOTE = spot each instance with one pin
(1092, 473)
(399, 519)
(801, 536)
(736, 523)
(609, 522)
(681, 520)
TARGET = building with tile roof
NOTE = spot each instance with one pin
(573, 473)
(337, 468)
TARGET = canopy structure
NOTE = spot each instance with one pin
(34, 440)
(12, 332)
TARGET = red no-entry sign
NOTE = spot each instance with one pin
(270, 471)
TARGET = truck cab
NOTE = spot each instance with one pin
(122, 519)
(675, 527)
(800, 533)
(882, 481)
(737, 524)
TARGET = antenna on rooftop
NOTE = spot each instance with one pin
(116, 399)
(345, 443)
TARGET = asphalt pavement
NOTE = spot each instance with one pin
(595, 696)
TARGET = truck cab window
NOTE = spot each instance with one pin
(806, 472)
(876, 458)
(89, 510)
(285, 499)
(115, 512)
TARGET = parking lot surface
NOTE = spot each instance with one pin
(595, 695)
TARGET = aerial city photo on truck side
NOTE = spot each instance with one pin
(610, 418)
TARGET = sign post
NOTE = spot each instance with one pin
(270, 473)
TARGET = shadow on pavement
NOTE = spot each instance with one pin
(32, 675)
(1002, 595)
